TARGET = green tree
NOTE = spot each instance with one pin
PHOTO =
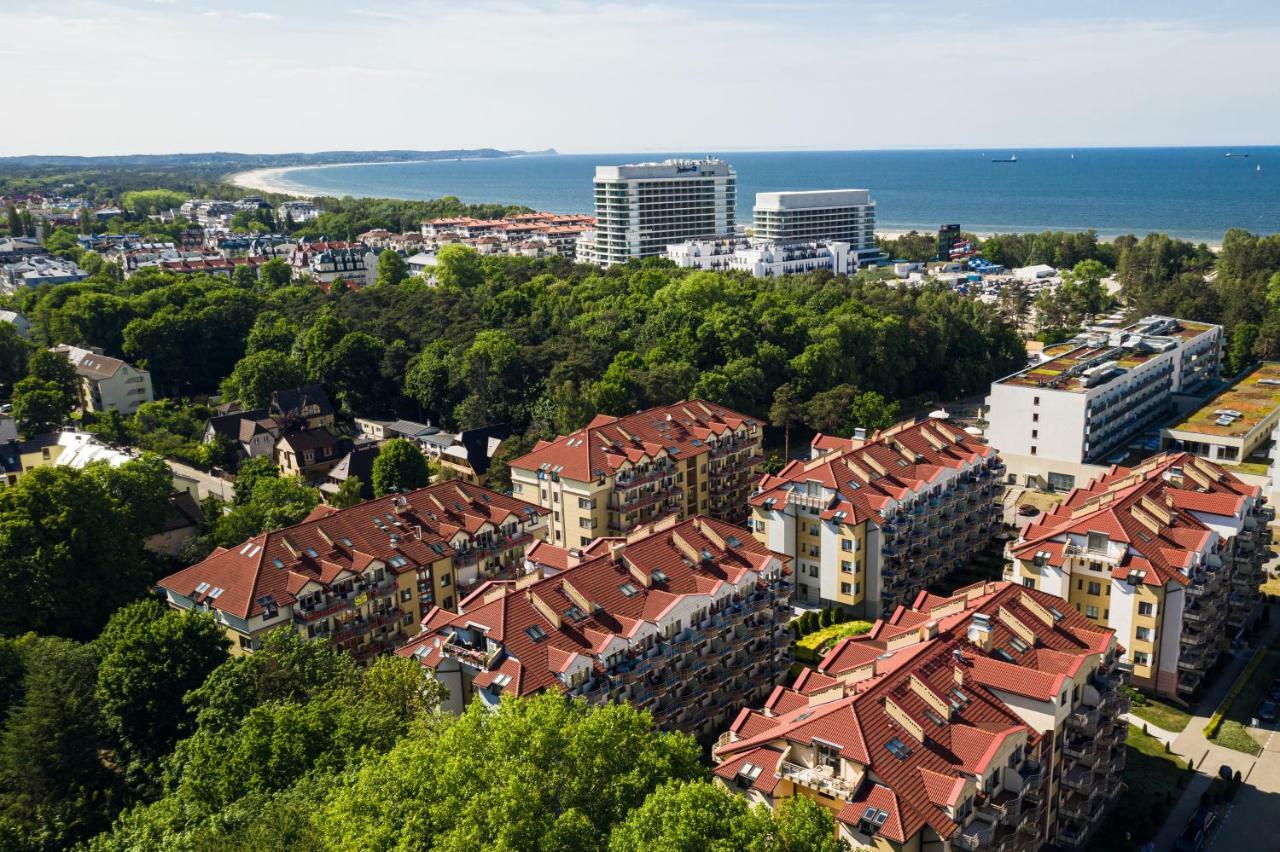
(14, 221)
(391, 268)
(260, 374)
(683, 817)
(48, 366)
(537, 773)
(1240, 353)
(272, 502)
(151, 657)
(251, 471)
(245, 277)
(786, 413)
(458, 267)
(274, 274)
(39, 406)
(400, 466)
(871, 411)
(427, 381)
(350, 493)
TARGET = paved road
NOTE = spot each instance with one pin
(1247, 823)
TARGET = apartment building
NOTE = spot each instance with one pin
(1234, 424)
(1169, 555)
(106, 383)
(687, 619)
(872, 521)
(298, 211)
(840, 215)
(690, 458)
(988, 720)
(1086, 399)
(643, 208)
(326, 262)
(764, 259)
(361, 577)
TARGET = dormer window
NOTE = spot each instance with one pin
(1098, 542)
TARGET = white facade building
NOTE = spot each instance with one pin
(641, 209)
(763, 259)
(838, 215)
(1055, 421)
(299, 211)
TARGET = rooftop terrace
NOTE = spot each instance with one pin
(1239, 409)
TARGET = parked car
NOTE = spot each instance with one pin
(1196, 833)
(1267, 712)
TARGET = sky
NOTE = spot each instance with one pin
(267, 76)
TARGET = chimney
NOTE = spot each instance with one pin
(980, 630)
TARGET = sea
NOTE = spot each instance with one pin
(1192, 193)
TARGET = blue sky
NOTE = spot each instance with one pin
(132, 76)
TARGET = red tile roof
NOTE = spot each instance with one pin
(1154, 509)
(421, 526)
(870, 476)
(915, 789)
(632, 585)
(609, 444)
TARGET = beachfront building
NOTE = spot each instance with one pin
(616, 473)
(824, 215)
(643, 208)
(685, 619)
(1055, 421)
(1233, 425)
(1169, 555)
(764, 259)
(361, 577)
(872, 521)
(987, 720)
(325, 262)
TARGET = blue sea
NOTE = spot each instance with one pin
(1193, 193)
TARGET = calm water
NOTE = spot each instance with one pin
(1195, 193)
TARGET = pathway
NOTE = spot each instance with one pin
(1243, 819)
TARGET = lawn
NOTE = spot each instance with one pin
(1152, 778)
(1234, 732)
(1160, 712)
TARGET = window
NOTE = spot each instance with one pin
(846, 566)
(1079, 585)
(813, 570)
(1146, 609)
(898, 748)
(846, 545)
(444, 579)
(846, 588)
(405, 594)
(1095, 589)
(1143, 634)
(448, 602)
(1097, 542)
(1033, 449)
(1140, 658)
(1091, 612)
(1035, 417)
(1035, 401)
(1029, 582)
(1035, 433)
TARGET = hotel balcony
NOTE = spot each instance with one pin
(1082, 751)
(1078, 778)
(1079, 806)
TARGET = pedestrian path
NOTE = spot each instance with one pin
(1166, 737)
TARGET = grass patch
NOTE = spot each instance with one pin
(1154, 778)
(1233, 732)
(1159, 712)
(810, 648)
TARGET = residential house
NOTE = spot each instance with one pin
(310, 453)
(617, 473)
(1168, 554)
(361, 577)
(106, 383)
(686, 619)
(357, 463)
(873, 520)
(988, 720)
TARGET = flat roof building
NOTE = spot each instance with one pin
(1231, 426)
(643, 208)
(844, 215)
(1055, 421)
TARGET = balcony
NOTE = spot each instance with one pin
(820, 778)
(1079, 779)
(976, 835)
(1084, 719)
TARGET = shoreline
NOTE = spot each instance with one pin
(272, 180)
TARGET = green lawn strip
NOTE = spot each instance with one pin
(1159, 712)
(1153, 778)
(810, 648)
(1240, 705)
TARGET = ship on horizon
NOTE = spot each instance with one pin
(1233, 154)
(1012, 158)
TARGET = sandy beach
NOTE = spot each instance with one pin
(268, 180)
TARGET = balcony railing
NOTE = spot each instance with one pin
(821, 778)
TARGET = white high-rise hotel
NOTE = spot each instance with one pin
(641, 209)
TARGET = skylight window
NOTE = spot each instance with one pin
(1018, 645)
(574, 614)
(658, 576)
(277, 563)
(311, 551)
(535, 633)
(1002, 654)
(934, 717)
(202, 588)
(501, 680)
(898, 748)
(627, 589)
(346, 542)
